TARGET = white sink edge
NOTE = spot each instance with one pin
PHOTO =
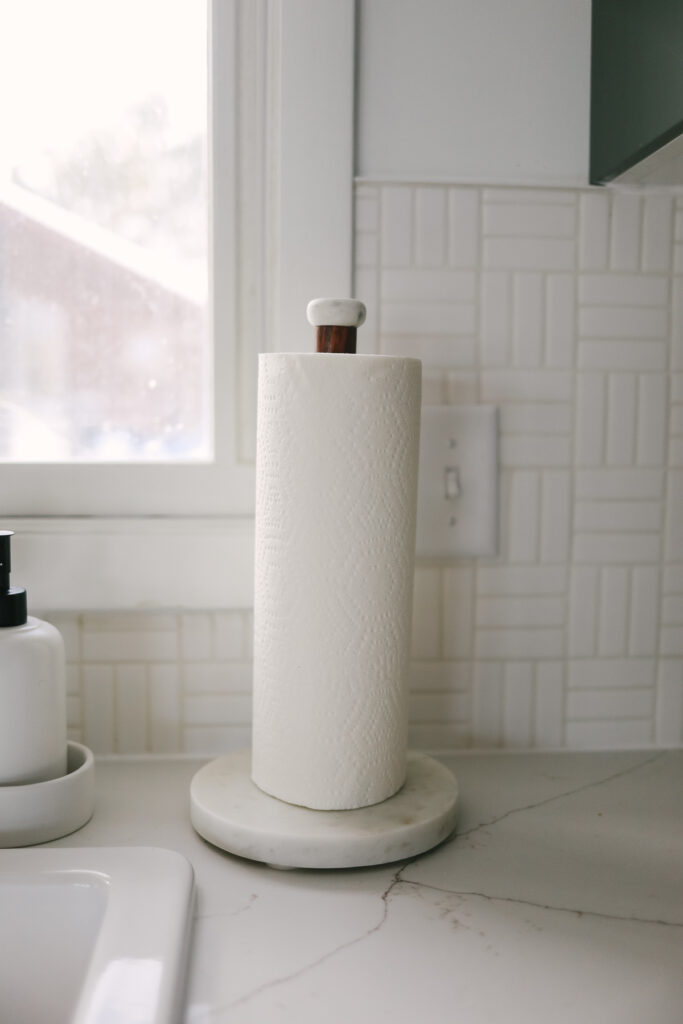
(134, 973)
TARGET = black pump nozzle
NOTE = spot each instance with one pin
(5, 559)
(12, 599)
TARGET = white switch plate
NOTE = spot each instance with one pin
(458, 452)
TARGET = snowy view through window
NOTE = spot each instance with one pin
(104, 348)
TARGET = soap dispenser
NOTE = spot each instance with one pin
(33, 742)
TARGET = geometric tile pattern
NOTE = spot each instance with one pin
(158, 683)
(563, 307)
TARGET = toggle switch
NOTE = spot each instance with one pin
(457, 507)
(452, 481)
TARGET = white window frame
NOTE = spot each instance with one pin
(161, 536)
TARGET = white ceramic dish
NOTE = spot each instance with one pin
(94, 935)
(41, 811)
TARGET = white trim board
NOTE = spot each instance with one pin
(144, 564)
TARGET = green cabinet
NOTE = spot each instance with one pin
(636, 82)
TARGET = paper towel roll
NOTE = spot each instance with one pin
(336, 483)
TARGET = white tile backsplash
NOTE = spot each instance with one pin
(524, 253)
(518, 704)
(628, 355)
(576, 335)
(593, 230)
(625, 238)
(669, 702)
(565, 308)
(657, 231)
(541, 220)
(165, 709)
(549, 704)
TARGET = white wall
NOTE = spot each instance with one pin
(474, 90)
(562, 306)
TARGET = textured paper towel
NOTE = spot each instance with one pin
(336, 482)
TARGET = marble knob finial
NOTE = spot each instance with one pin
(335, 313)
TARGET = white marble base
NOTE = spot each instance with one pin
(231, 812)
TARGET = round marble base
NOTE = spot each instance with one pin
(231, 812)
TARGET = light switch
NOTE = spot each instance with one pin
(457, 506)
(452, 475)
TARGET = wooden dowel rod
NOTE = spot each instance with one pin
(335, 338)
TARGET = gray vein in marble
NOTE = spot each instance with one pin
(230, 913)
(541, 906)
(274, 982)
(557, 796)
(397, 881)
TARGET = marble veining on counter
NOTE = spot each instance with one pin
(559, 898)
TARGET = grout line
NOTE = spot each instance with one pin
(379, 266)
(115, 709)
(664, 512)
(478, 369)
(149, 732)
(573, 496)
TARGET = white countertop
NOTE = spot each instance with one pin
(559, 899)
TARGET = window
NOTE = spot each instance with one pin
(120, 211)
(103, 220)
(115, 513)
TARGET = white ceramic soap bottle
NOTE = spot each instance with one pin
(33, 745)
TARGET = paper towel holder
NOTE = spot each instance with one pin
(230, 811)
(336, 322)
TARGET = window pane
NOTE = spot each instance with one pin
(104, 349)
